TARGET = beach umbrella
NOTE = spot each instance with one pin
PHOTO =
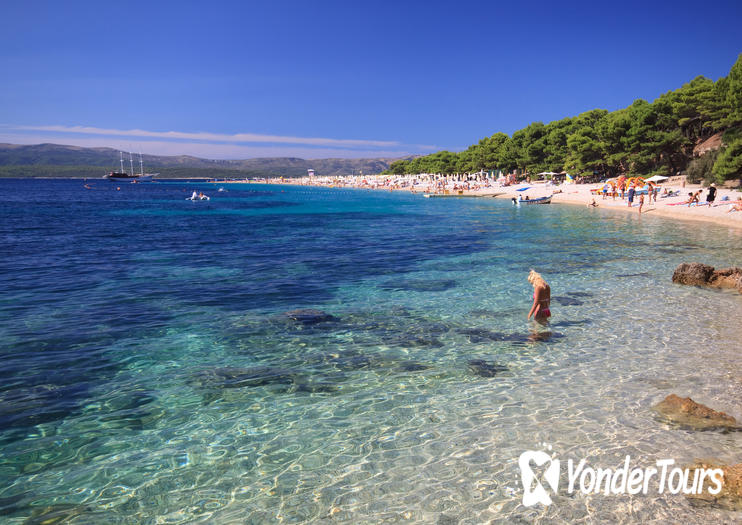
(656, 178)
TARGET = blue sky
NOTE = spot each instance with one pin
(316, 79)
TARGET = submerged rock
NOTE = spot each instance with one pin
(479, 335)
(419, 285)
(413, 366)
(685, 412)
(576, 322)
(132, 410)
(315, 387)
(309, 316)
(233, 377)
(350, 361)
(407, 340)
(697, 274)
(730, 496)
(566, 301)
(53, 514)
(482, 368)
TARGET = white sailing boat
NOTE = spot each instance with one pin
(124, 176)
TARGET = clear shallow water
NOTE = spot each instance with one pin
(150, 374)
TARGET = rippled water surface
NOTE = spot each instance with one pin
(151, 375)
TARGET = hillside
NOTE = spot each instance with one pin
(49, 160)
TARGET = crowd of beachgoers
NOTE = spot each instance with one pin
(673, 197)
(420, 183)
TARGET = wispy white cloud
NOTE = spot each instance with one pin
(208, 150)
(209, 145)
(217, 137)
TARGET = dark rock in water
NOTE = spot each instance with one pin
(541, 337)
(54, 514)
(309, 316)
(315, 388)
(22, 407)
(730, 495)
(130, 410)
(413, 366)
(411, 341)
(128, 400)
(687, 413)
(400, 311)
(11, 504)
(244, 377)
(350, 362)
(479, 335)
(566, 301)
(577, 322)
(727, 278)
(580, 294)
(415, 285)
(443, 519)
(483, 312)
(482, 368)
(697, 274)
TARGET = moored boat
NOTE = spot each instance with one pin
(124, 176)
(540, 200)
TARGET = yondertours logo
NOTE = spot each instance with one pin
(533, 491)
(539, 470)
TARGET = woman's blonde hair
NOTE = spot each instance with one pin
(534, 277)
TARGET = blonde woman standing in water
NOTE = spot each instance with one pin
(541, 298)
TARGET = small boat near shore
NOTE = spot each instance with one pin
(198, 197)
(480, 195)
(540, 200)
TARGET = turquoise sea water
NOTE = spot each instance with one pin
(150, 374)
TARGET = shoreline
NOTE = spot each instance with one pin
(571, 194)
(577, 195)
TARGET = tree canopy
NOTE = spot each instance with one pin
(646, 138)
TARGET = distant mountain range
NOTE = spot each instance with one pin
(55, 160)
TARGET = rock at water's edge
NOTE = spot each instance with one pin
(727, 278)
(697, 274)
(730, 496)
(686, 412)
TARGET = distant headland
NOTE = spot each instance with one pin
(64, 161)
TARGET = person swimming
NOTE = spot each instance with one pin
(541, 298)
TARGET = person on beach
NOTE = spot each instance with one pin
(541, 298)
(735, 206)
(641, 203)
(593, 204)
(632, 190)
(695, 198)
(711, 197)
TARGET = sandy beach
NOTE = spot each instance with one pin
(670, 207)
(574, 194)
